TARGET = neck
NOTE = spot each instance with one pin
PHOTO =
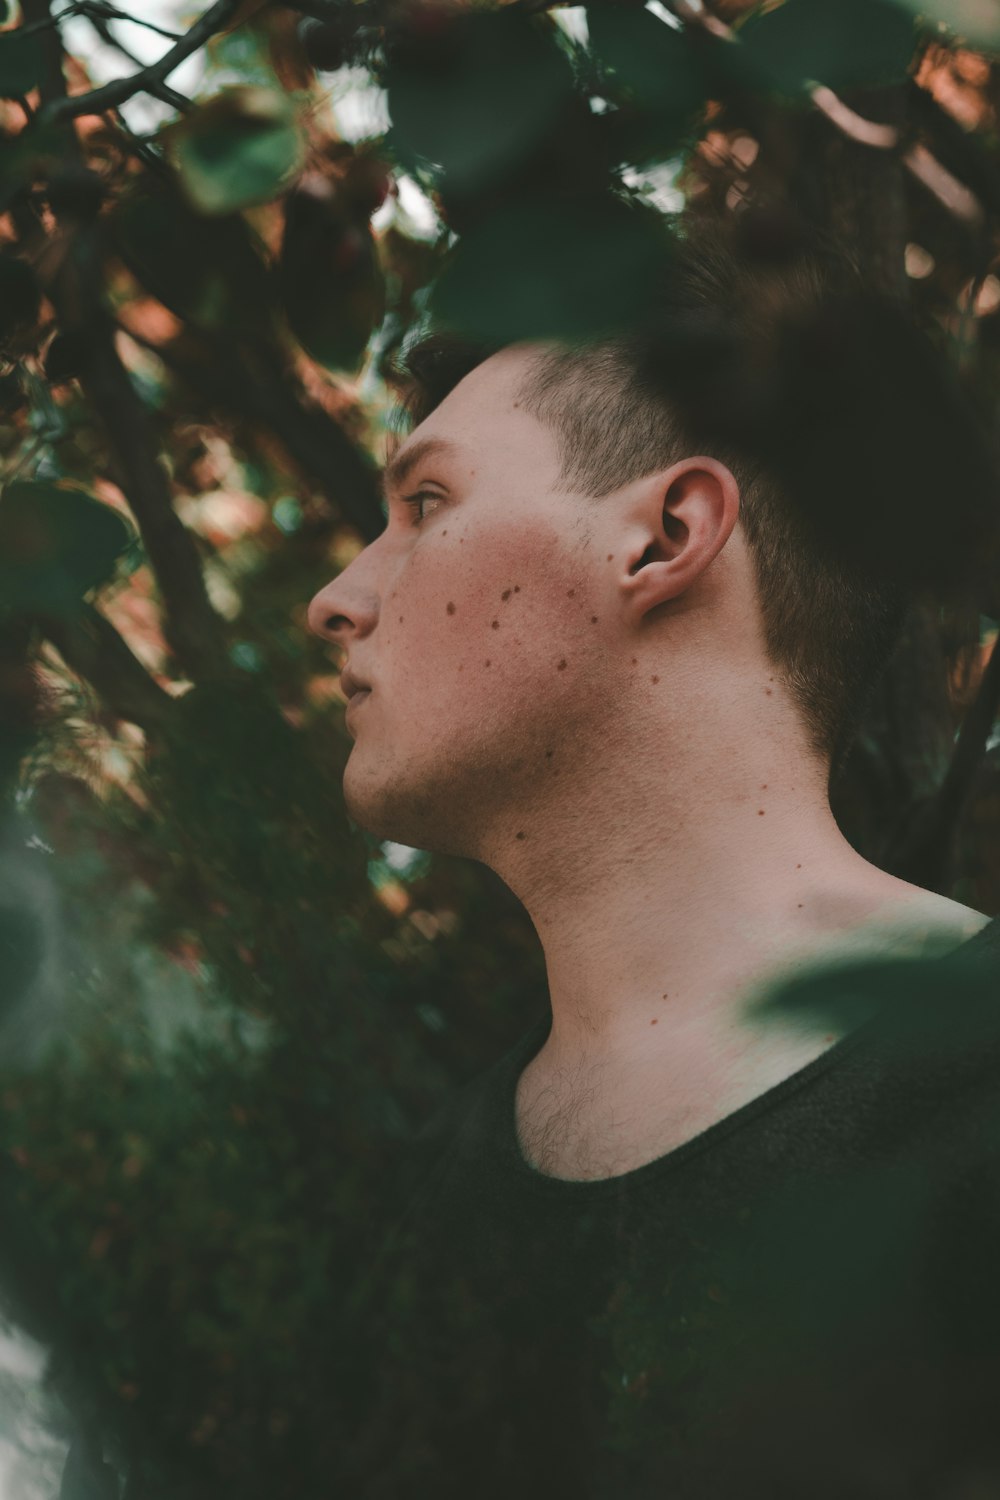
(658, 914)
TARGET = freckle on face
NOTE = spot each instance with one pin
(655, 679)
(451, 608)
(496, 624)
(562, 665)
(505, 595)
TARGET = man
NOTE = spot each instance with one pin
(609, 665)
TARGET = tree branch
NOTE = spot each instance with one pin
(161, 91)
(922, 165)
(92, 648)
(190, 624)
(146, 79)
(252, 390)
(924, 848)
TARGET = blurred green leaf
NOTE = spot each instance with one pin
(331, 282)
(552, 271)
(22, 63)
(205, 270)
(651, 61)
(56, 544)
(21, 952)
(20, 297)
(842, 43)
(472, 101)
(238, 149)
(845, 993)
(974, 21)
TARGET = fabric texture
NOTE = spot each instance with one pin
(802, 1300)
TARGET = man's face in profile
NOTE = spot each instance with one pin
(479, 617)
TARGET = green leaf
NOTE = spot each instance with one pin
(204, 269)
(551, 270)
(56, 544)
(976, 22)
(239, 149)
(22, 63)
(472, 102)
(842, 43)
(651, 62)
(20, 298)
(331, 283)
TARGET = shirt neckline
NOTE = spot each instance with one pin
(512, 1066)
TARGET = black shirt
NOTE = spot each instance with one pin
(801, 1301)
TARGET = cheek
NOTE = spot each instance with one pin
(483, 609)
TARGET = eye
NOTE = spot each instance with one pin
(416, 502)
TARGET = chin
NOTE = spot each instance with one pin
(403, 816)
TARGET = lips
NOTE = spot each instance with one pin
(350, 685)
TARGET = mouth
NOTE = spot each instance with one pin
(351, 686)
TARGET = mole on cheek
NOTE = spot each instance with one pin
(505, 595)
(451, 608)
(496, 624)
(654, 679)
(570, 593)
(562, 665)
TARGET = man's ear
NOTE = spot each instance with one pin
(677, 521)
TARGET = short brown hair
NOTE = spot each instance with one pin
(751, 358)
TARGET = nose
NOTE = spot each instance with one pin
(342, 610)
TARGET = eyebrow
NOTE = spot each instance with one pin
(398, 469)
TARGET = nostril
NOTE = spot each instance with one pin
(334, 622)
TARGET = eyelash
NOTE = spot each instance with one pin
(415, 501)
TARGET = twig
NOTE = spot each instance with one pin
(146, 79)
(952, 194)
(161, 91)
(97, 8)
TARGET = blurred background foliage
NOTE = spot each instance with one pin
(224, 1008)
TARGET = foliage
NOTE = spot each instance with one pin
(256, 1006)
